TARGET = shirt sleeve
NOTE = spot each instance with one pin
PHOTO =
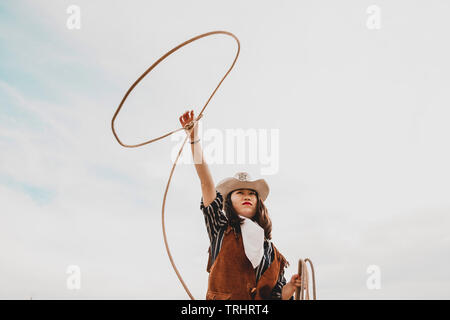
(214, 218)
(276, 292)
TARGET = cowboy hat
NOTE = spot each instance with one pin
(242, 180)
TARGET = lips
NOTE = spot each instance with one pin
(246, 203)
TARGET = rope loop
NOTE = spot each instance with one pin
(188, 127)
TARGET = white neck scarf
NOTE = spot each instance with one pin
(253, 239)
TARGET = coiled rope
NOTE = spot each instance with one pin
(188, 127)
(304, 280)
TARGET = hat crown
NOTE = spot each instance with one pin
(243, 180)
(242, 176)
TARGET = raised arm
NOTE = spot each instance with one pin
(206, 180)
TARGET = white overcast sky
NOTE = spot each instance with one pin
(363, 149)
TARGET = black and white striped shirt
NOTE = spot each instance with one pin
(216, 225)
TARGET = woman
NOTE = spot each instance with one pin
(243, 263)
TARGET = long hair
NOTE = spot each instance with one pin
(261, 216)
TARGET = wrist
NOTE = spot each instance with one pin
(287, 291)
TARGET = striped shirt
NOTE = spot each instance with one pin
(216, 225)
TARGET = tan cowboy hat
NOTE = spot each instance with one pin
(242, 180)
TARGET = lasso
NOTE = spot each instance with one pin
(188, 127)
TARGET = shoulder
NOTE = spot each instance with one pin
(216, 204)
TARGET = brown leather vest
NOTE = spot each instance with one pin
(232, 276)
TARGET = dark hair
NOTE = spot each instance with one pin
(261, 216)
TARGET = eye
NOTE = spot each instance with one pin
(250, 192)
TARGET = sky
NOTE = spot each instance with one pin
(347, 102)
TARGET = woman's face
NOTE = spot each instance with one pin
(244, 202)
